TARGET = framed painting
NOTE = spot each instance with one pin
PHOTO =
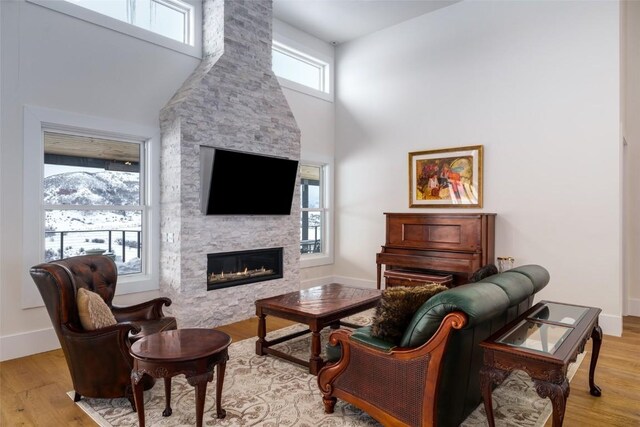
(446, 178)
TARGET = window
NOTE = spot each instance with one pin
(315, 225)
(169, 18)
(174, 24)
(301, 72)
(91, 185)
(93, 198)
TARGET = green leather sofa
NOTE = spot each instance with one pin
(432, 377)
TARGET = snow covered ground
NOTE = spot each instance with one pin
(74, 231)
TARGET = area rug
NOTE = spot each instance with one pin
(267, 391)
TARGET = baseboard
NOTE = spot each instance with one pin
(633, 307)
(610, 324)
(350, 281)
(316, 281)
(28, 343)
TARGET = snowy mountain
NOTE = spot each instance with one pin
(89, 229)
(92, 188)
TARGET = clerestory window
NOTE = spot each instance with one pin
(174, 24)
(301, 71)
(170, 18)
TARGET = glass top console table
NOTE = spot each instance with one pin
(542, 342)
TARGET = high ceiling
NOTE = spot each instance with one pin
(339, 21)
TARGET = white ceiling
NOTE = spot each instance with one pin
(339, 21)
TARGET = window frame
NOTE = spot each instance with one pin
(293, 50)
(36, 121)
(193, 48)
(141, 206)
(325, 257)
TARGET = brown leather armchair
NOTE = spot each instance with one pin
(99, 361)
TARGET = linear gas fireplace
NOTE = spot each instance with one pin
(227, 269)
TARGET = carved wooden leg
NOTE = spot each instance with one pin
(201, 391)
(167, 398)
(596, 341)
(329, 404)
(128, 393)
(199, 382)
(262, 333)
(76, 397)
(488, 377)
(315, 362)
(558, 394)
(137, 386)
(221, 413)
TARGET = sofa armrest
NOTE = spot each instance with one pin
(366, 375)
(363, 335)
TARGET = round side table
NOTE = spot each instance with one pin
(192, 352)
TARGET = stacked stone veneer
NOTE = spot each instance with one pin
(231, 101)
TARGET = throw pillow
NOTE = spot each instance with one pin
(483, 272)
(93, 311)
(396, 308)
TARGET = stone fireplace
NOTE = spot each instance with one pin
(231, 101)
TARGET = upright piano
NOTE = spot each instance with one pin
(423, 247)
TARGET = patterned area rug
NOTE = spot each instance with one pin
(267, 391)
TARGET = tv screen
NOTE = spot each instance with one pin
(246, 184)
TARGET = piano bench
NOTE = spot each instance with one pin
(401, 277)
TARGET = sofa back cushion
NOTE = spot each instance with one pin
(480, 301)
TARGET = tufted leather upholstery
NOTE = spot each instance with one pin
(99, 361)
(432, 378)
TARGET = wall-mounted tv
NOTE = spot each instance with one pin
(239, 183)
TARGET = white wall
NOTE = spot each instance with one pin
(631, 129)
(55, 61)
(315, 116)
(536, 83)
(316, 119)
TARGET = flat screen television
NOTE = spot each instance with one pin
(239, 183)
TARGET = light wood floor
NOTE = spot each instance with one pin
(33, 389)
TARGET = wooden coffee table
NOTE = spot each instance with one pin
(192, 352)
(317, 307)
(542, 342)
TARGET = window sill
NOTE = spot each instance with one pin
(304, 89)
(113, 24)
(316, 260)
(135, 283)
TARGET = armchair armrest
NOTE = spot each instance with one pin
(147, 310)
(367, 376)
(96, 355)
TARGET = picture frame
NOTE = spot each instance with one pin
(446, 178)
